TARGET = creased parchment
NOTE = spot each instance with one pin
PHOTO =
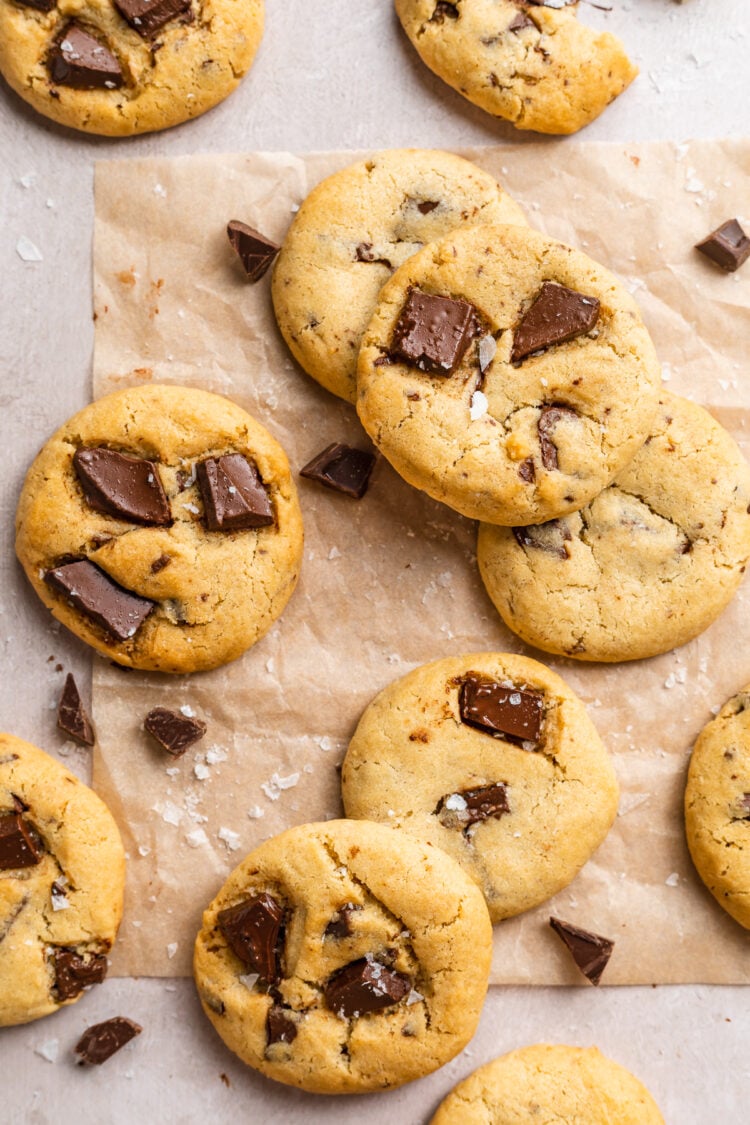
(391, 582)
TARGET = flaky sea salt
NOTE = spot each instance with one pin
(201, 771)
(196, 838)
(255, 812)
(230, 838)
(487, 349)
(215, 754)
(455, 803)
(673, 880)
(172, 949)
(479, 406)
(27, 251)
(249, 980)
(48, 1051)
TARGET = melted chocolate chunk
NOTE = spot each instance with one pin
(254, 250)
(93, 592)
(366, 253)
(253, 931)
(433, 332)
(234, 496)
(148, 16)
(527, 470)
(126, 487)
(73, 973)
(550, 537)
(444, 11)
(591, 952)
(81, 61)
(18, 845)
(103, 1040)
(342, 468)
(365, 986)
(71, 714)
(548, 419)
(427, 206)
(496, 709)
(39, 5)
(557, 314)
(340, 925)
(470, 806)
(728, 246)
(173, 731)
(279, 1027)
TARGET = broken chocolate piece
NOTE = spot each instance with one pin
(365, 986)
(527, 470)
(557, 314)
(71, 715)
(433, 332)
(470, 806)
(550, 537)
(254, 250)
(548, 419)
(126, 487)
(73, 973)
(591, 952)
(234, 496)
(253, 931)
(18, 846)
(279, 1027)
(173, 730)
(444, 11)
(148, 16)
(119, 612)
(496, 709)
(103, 1040)
(728, 246)
(340, 925)
(519, 21)
(427, 206)
(342, 468)
(81, 61)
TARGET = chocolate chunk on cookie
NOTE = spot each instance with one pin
(126, 487)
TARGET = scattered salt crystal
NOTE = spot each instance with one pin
(479, 406)
(270, 666)
(159, 190)
(249, 980)
(666, 372)
(673, 880)
(196, 838)
(192, 508)
(334, 553)
(49, 1050)
(50, 203)
(456, 803)
(27, 180)
(230, 838)
(514, 699)
(670, 680)
(414, 997)
(172, 949)
(307, 768)
(169, 812)
(27, 251)
(324, 743)
(144, 851)
(255, 813)
(201, 771)
(187, 711)
(631, 801)
(294, 208)
(215, 754)
(487, 349)
(544, 382)
(137, 925)
(59, 901)
(172, 771)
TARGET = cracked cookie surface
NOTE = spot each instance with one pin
(352, 231)
(648, 565)
(551, 428)
(533, 65)
(177, 66)
(207, 595)
(520, 814)
(61, 906)
(363, 962)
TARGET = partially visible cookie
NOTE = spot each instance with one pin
(62, 875)
(547, 1084)
(531, 62)
(647, 565)
(492, 758)
(352, 231)
(344, 957)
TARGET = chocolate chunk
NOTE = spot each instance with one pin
(160, 563)
(470, 806)
(173, 730)
(147, 16)
(527, 470)
(253, 931)
(254, 250)
(444, 11)
(590, 951)
(234, 496)
(340, 925)
(81, 61)
(558, 314)
(519, 21)
(548, 419)
(71, 715)
(39, 5)
(365, 986)
(18, 846)
(93, 592)
(342, 468)
(427, 205)
(433, 332)
(550, 537)
(741, 808)
(126, 487)
(494, 708)
(279, 1027)
(366, 253)
(73, 973)
(728, 246)
(103, 1040)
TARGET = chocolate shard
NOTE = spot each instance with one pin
(340, 925)
(174, 731)
(433, 333)
(126, 487)
(728, 246)
(497, 709)
(18, 846)
(557, 314)
(342, 468)
(279, 1027)
(73, 973)
(83, 62)
(148, 16)
(253, 931)
(466, 807)
(116, 610)
(548, 419)
(591, 952)
(234, 496)
(103, 1040)
(365, 986)
(550, 537)
(71, 714)
(254, 250)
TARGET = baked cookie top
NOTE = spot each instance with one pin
(507, 375)
(161, 525)
(62, 875)
(352, 231)
(118, 67)
(344, 957)
(647, 565)
(531, 63)
(492, 758)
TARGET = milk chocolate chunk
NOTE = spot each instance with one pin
(234, 496)
(340, 925)
(496, 709)
(253, 931)
(433, 332)
(548, 419)
(728, 246)
(365, 986)
(444, 11)
(148, 16)
(18, 846)
(73, 973)
(279, 1027)
(470, 806)
(174, 731)
(126, 487)
(103, 1040)
(519, 21)
(550, 537)
(254, 250)
(71, 714)
(557, 314)
(342, 468)
(93, 592)
(591, 952)
(81, 61)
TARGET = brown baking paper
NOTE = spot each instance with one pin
(391, 581)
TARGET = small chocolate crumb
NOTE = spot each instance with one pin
(254, 250)
(103, 1040)
(342, 468)
(427, 206)
(225, 1079)
(174, 731)
(591, 952)
(71, 714)
(728, 246)
(160, 563)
